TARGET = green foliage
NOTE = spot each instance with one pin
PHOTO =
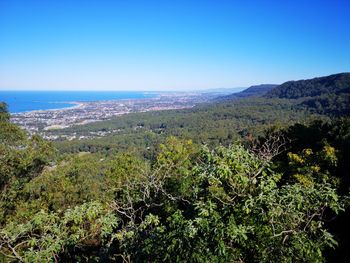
(316, 136)
(22, 158)
(220, 205)
(71, 182)
(189, 203)
(4, 115)
(333, 84)
(331, 104)
(308, 167)
(326, 95)
(10, 134)
(328, 144)
(47, 235)
(237, 211)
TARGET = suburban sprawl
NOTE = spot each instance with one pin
(43, 121)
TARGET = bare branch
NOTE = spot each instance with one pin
(271, 146)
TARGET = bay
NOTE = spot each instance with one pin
(23, 101)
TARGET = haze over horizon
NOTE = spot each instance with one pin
(182, 45)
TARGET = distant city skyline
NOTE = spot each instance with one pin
(169, 45)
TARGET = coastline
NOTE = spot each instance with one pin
(22, 102)
(42, 121)
(82, 104)
(74, 105)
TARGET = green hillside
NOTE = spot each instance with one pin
(325, 95)
(338, 84)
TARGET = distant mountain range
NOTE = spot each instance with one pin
(253, 91)
(223, 91)
(333, 84)
(325, 95)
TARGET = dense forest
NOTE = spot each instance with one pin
(258, 179)
(333, 84)
(213, 124)
(325, 95)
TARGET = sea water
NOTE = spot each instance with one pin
(22, 101)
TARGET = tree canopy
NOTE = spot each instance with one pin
(192, 203)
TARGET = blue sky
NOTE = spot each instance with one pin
(168, 45)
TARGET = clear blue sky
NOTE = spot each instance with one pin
(155, 45)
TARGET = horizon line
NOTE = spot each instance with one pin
(131, 90)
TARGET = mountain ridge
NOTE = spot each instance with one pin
(295, 89)
(252, 91)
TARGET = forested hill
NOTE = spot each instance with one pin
(253, 91)
(328, 95)
(324, 95)
(334, 84)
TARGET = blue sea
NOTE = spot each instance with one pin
(22, 101)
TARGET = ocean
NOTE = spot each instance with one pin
(22, 101)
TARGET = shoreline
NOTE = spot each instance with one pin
(74, 105)
(80, 104)
(41, 121)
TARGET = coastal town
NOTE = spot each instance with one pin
(42, 122)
